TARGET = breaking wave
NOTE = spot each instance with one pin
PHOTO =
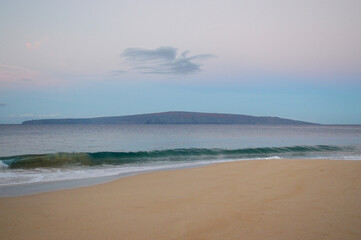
(60, 160)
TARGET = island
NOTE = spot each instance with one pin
(174, 117)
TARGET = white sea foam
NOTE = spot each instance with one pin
(21, 176)
(264, 158)
(16, 176)
(3, 165)
(353, 157)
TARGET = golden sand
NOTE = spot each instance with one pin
(263, 199)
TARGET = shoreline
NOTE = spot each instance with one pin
(263, 199)
(25, 189)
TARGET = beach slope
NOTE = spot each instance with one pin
(263, 199)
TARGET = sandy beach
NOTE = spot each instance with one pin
(262, 199)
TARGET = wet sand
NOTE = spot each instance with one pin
(260, 199)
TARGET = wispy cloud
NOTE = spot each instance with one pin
(26, 79)
(163, 60)
(43, 115)
(2, 104)
(17, 76)
(36, 45)
(117, 72)
(13, 74)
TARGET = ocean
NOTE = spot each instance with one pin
(35, 158)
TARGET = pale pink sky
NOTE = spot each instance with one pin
(49, 44)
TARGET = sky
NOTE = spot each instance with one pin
(298, 59)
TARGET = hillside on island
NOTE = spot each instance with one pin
(172, 118)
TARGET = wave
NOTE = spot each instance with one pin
(56, 160)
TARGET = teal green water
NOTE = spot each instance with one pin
(171, 155)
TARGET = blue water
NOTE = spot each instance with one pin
(48, 153)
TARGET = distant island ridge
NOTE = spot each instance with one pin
(174, 117)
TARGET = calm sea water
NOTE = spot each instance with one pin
(46, 153)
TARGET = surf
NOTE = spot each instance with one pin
(74, 159)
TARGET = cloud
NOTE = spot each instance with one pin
(26, 79)
(16, 76)
(43, 115)
(36, 45)
(163, 60)
(117, 72)
(2, 104)
(13, 74)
